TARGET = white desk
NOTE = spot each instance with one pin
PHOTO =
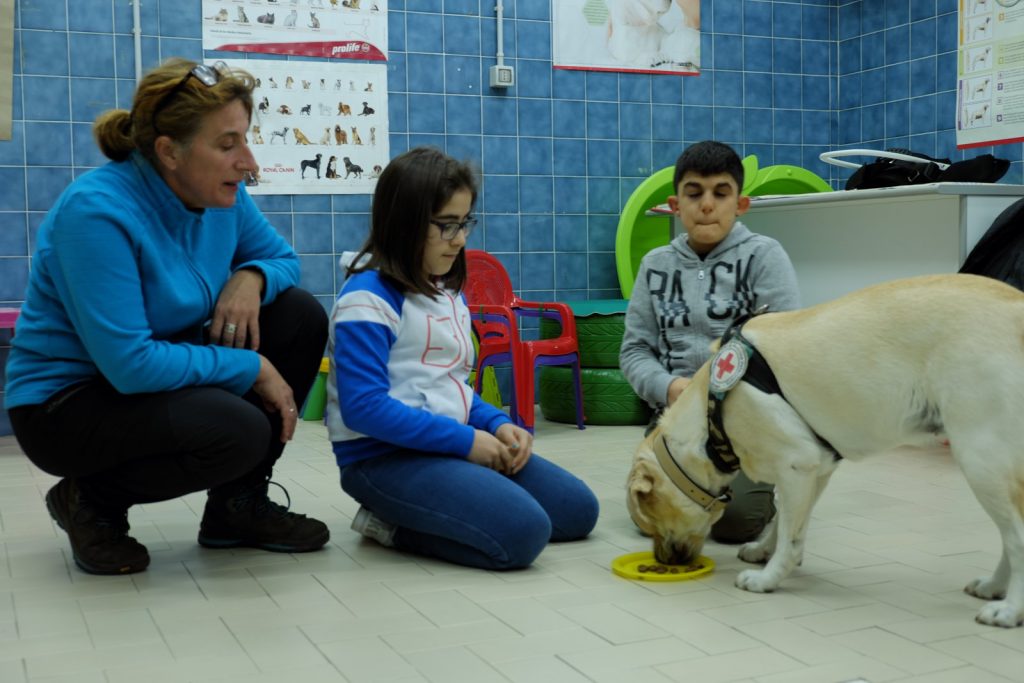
(845, 240)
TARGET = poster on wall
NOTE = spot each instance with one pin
(340, 29)
(6, 68)
(641, 36)
(318, 127)
(990, 73)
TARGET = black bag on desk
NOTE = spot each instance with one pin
(886, 172)
(999, 253)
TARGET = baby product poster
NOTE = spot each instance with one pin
(341, 29)
(990, 78)
(645, 36)
(318, 127)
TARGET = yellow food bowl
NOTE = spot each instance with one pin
(643, 567)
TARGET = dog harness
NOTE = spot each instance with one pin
(736, 360)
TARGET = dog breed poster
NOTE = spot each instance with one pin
(338, 29)
(990, 86)
(645, 36)
(318, 127)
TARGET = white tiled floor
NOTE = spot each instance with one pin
(878, 597)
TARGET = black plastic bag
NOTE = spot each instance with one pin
(884, 172)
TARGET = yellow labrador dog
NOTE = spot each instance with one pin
(916, 362)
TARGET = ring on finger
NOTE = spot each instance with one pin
(230, 328)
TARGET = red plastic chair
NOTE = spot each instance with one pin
(495, 310)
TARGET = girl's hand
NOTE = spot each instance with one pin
(519, 442)
(490, 452)
(277, 397)
(236, 317)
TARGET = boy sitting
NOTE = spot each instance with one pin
(688, 293)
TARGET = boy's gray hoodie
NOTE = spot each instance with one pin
(682, 302)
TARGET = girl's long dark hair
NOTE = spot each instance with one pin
(412, 188)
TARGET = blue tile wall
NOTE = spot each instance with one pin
(897, 81)
(559, 154)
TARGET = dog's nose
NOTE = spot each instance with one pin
(667, 553)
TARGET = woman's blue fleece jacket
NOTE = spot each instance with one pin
(123, 279)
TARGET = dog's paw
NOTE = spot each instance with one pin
(755, 553)
(755, 581)
(1001, 613)
(984, 588)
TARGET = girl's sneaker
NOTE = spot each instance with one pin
(371, 526)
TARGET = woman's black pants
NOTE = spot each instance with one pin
(141, 448)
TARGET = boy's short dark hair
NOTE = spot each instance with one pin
(709, 158)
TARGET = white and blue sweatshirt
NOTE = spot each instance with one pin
(405, 361)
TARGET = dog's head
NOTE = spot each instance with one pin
(677, 524)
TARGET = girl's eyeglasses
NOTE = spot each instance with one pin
(449, 229)
(207, 75)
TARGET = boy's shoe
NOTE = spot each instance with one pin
(371, 526)
(249, 518)
(99, 536)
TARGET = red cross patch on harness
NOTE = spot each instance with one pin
(728, 366)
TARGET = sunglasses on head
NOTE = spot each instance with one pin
(208, 76)
(205, 74)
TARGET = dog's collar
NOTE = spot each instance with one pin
(691, 489)
(737, 359)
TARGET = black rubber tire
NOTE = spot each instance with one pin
(600, 337)
(607, 397)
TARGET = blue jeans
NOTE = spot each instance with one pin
(455, 510)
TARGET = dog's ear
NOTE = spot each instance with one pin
(640, 489)
(640, 479)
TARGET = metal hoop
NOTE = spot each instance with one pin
(832, 157)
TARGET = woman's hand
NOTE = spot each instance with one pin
(519, 442)
(236, 317)
(277, 397)
(490, 452)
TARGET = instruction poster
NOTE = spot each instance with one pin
(641, 36)
(339, 29)
(990, 83)
(318, 127)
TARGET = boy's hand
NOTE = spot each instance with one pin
(676, 388)
(519, 442)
